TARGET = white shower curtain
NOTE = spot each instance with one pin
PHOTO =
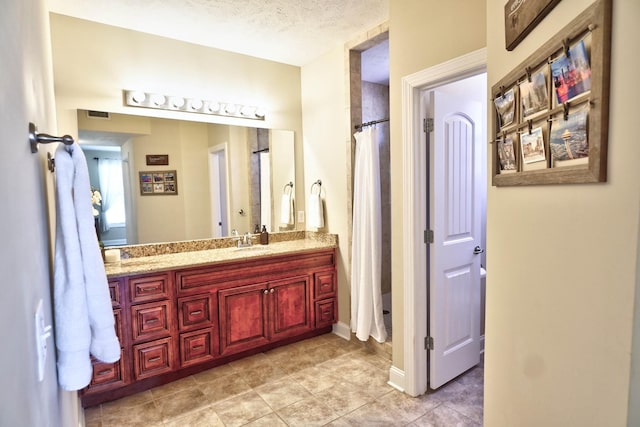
(366, 297)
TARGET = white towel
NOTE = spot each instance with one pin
(315, 214)
(82, 305)
(286, 210)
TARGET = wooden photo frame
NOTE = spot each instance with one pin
(572, 117)
(158, 183)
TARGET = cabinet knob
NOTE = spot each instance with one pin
(266, 291)
(272, 290)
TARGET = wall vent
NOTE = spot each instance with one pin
(92, 114)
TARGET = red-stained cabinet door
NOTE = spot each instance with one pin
(243, 318)
(289, 307)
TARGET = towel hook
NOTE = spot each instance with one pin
(289, 184)
(36, 138)
(319, 184)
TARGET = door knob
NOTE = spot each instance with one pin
(478, 250)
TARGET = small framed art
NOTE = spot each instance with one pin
(155, 183)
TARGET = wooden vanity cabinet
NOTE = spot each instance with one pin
(259, 314)
(152, 324)
(175, 323)
(198, 328)
(108, 376)
(325, 297)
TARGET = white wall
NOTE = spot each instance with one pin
(326, 133)
(563, 261)
(27, 95)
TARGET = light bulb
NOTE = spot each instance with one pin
(213, 107)
(157, 100)
(247, 111)
(177, 102)
(230, 109)
(138, 97)
(195, 104)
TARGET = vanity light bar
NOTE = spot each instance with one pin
(135, 98)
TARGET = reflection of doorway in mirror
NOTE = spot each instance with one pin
(265, 190)
(107, 174)
(218, 188)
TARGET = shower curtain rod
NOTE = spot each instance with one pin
(360, 126)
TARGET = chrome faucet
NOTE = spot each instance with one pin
(243, 241)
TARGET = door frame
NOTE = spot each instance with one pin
(220, 150)
(414, 277)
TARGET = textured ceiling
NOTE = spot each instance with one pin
(288, 31)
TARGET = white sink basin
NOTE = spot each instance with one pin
(254, 249)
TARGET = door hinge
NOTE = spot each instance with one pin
(427, 125)
(428, 343)
(428, 236)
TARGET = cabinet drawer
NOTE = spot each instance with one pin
(114, 292)
(326, 311)
(149, 288)
(152, 358)
(196, 312)
(325, 284)
(108, 375)
(152, 320)
(197, 346)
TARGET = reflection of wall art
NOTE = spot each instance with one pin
(158, 183)
(506, 108)
(157, 159)
(522, 16)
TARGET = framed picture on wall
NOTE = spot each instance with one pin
(522, 16)
(157, 183)
(157, 159)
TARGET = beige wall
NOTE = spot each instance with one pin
(421, 34)
(194, 179)
(93, 63)
(326, 138)
(562, 261)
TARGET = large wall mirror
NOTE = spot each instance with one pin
(166, 180)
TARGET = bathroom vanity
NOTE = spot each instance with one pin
(182, 313)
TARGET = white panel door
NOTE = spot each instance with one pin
(218, 190)
(454, 217)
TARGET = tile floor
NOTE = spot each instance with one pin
(322, 381)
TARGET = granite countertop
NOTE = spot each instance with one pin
(148, 264)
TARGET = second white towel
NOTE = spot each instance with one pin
(315, 214)
(286, 210)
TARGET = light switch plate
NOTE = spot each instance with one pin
(42, 333)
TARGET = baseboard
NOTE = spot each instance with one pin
(342, 330)
(396, 378)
